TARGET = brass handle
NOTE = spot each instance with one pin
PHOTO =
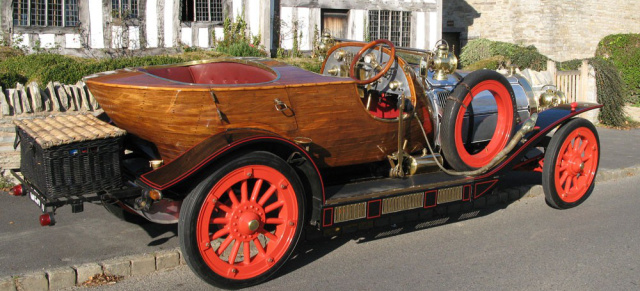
(280, 106)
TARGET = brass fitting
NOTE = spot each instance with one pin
(551, 98)
(444, 62)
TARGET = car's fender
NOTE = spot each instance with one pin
(547, 121)
(219, 147)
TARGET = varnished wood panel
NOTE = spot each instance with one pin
(176, 116)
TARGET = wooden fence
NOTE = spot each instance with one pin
(574, 84)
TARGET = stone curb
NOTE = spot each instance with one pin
(65, 277)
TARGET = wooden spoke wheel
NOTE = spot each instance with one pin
(570, 164)
(240, 225)
(459, 154)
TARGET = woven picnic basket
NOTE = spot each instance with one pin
(70, 155)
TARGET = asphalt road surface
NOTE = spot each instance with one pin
(90, 236)
(525, 245)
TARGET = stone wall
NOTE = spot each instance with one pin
(562, 30)
(30, 101)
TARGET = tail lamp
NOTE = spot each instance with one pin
(16, 190)
(47, 219)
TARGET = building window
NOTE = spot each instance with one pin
(201, 10)
(124, 8)
(392, 25)
(56, 13)
(335, 21)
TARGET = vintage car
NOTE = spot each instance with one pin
(245, 153)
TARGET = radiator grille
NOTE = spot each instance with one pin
(442, 98)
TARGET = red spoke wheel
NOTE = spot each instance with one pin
(459, 154)
(571, 164)
(241, 224)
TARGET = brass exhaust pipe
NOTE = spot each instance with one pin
(527, 127)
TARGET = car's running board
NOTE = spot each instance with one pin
(390, 186)
(357, 202)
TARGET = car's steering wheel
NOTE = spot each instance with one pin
(356, 58)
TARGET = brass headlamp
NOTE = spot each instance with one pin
(326, 42)
(551, 98)
(444, 62)
(441, 61)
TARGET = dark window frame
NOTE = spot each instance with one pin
(45, 13)
(125, 9)
(393, 25)
(202, 11)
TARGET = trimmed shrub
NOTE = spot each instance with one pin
(624, 52)
(242, 49)
(611, 89)
(611, 92)
(237, 41)
(570, 65)
(45, 68)
(491, 63)
(7, 52)
(9, 80)
(309, 64)
(520, 56)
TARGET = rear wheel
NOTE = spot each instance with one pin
(241, 224)
(465, 156)
(570, 164)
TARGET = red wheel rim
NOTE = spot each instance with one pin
(247, 222)
(576, 165)
(503, 129)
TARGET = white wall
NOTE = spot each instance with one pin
(96, 30)
(168, 23)
(152, 23)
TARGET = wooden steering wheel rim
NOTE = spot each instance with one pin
(384, 70)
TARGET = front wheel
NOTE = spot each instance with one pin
(570, 164)
(241, 224)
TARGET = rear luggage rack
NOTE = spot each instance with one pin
(67, 156)
(49, 204)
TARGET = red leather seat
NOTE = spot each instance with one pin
(180, 74)
(229, 73)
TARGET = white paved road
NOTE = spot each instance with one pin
(525, 245)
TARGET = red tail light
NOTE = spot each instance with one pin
(16, 190)
(47, 219)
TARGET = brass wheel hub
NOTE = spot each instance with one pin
(246, 221)
(253, 225)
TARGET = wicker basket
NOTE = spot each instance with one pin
(70, 155)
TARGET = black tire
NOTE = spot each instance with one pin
(460, 156)
(576, 131)
(203, 259)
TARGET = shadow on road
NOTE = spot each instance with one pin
(318, 245)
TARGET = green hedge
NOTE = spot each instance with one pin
(45, 68)
(503, 54)
(624, 52)
(620, 53)
(611, 92)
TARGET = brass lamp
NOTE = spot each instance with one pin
(326, 42)
(551, 98)
(444, 62)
